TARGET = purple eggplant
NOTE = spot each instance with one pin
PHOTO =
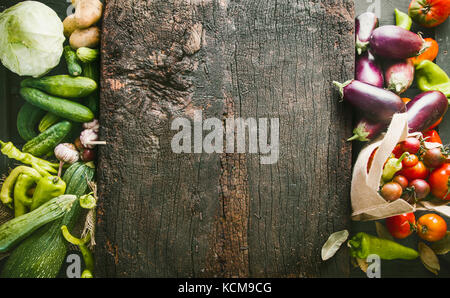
(367, 70)
(399, 75)
(425, 109)
(375, 103)
(365, 23)
(394, 42)
(367, 130)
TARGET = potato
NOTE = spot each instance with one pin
(89, 38)
(69, 25)
(87, 12)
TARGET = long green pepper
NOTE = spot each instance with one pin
(362, 245)
(12, 152)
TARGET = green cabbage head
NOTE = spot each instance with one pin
(31, 38)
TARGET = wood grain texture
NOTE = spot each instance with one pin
(223, 215)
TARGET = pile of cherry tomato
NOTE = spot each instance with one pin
(423, 174)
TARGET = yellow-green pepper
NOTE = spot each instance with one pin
(11, 151)
(7, 191)
(47, 188)
(22, 199)
(430, 77)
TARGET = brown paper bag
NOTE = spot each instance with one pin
(367, 203)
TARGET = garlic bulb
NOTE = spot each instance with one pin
(67, 152)
(87, 137)
(94, 125)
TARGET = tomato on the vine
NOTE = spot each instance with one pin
(431, 227)
(401, 226)
(439, 182)
(410, 161)
(419, 171)
(429, 13)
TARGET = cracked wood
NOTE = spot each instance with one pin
(223, 215)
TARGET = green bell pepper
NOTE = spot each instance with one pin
(362, 245)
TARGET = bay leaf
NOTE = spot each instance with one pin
(429, 258)
(362, 264)
(442, 246)
(383, 232)
(333, 244)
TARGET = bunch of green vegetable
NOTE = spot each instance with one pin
(58, 125)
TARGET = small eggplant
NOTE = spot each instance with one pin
(394, 42)
(425, 109)
(367, 130)
(365, 23)
(399, 75)
(375, 103)
(367, 70)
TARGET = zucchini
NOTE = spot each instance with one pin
(47, 121)
(62, 85)
(15, 230)
(61, 107)
(73, 67)
(46, 141)
(42, 254)
(27, 120)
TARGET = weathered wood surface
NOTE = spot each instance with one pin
(163, 214)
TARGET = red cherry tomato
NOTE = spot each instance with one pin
(410, 161)
(419, 171)
(411, 145)
(429, 13)
(401, 180)
(438, 181)
(401, 226)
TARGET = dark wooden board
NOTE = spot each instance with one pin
(385, 11)
(183, 215)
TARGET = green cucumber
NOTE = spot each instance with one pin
(59, 106)
(27, 120)
(47, 121)
(46, 141)
(73, 67)
(17, 229)
(62, 85)
(42, 254)
(91, 70)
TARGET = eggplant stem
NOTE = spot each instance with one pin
(341, 87)
(354, 137)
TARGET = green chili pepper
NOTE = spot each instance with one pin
(22, 201)
(6, 193)
(47, 188)
(430, 77)
(393, 165)
(9, 150)
(85, 251)
(402, 19)
(362, 245)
